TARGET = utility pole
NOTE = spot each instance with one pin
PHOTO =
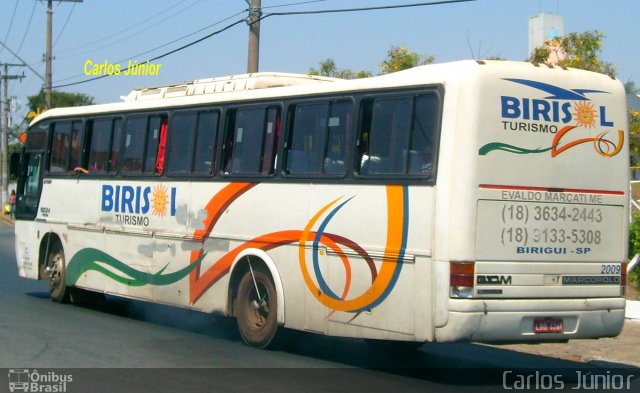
(255, 11)
(49, 56)
(4, 143)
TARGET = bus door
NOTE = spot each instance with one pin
(31, 171)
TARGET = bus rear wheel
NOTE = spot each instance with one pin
(55, 271)
(256, 308)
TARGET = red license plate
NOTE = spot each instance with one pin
(548, 325)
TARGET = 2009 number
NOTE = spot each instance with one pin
(611, 269)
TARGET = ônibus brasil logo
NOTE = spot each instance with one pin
(559, 113)
(33, 381)
(133, 204)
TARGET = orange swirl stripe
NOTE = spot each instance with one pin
(382, 282)
(199, 282)
(597, 140)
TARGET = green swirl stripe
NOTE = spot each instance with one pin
(92, 259)
(489, 147)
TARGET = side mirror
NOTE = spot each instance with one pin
(14, 166)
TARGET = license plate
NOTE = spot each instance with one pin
(548, 325)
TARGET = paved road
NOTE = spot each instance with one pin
(187, 351)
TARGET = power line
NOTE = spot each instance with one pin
(24, 36)
(264, 16)
(290, 4)
(162, 55)
(19, 58)
(185, 36)
(6, 36)
(125, 30)
(166, 43)
(130, 33)
(26, 30)
(65, 25)
(385, 7)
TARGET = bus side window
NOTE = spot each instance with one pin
(307, 138)
(424, 134)
(398, 135)
(317, 139)
(156, 145)
(338, 129)
(191, 146)
(60, 147)
(144, 144)
(100, 145)
(270, 148)
(181, 143)
(207, 135)
(77, 141)
(115, 146)
(363, 142)
(389, 135)
(251, 140)
(134, 143)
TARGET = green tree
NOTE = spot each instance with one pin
(577, 50)
(328, 68)
(634, 137)
(59, 99)
(400, 58)
(634, 125)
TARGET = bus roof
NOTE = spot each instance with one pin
(266, 85)
(259, 80)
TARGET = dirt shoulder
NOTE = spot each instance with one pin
(624, 349)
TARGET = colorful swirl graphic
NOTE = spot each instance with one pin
(93, 259)
(602, 146)
(382, 282)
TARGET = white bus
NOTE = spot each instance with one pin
(474, 201)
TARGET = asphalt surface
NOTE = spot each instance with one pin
(126, 345)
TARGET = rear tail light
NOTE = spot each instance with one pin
(623, 279)
(461, 277)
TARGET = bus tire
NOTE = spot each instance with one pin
(55, 271)
(256, 315)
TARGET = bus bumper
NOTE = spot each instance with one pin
(513, 320)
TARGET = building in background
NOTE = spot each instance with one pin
(544, 27)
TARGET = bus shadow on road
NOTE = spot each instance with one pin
(456, 364)
(159, 314)
(38, 295)
(470, 364)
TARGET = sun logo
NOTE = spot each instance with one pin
(585, 114)
(159, 201)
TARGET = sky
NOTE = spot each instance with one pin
(120, 30)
